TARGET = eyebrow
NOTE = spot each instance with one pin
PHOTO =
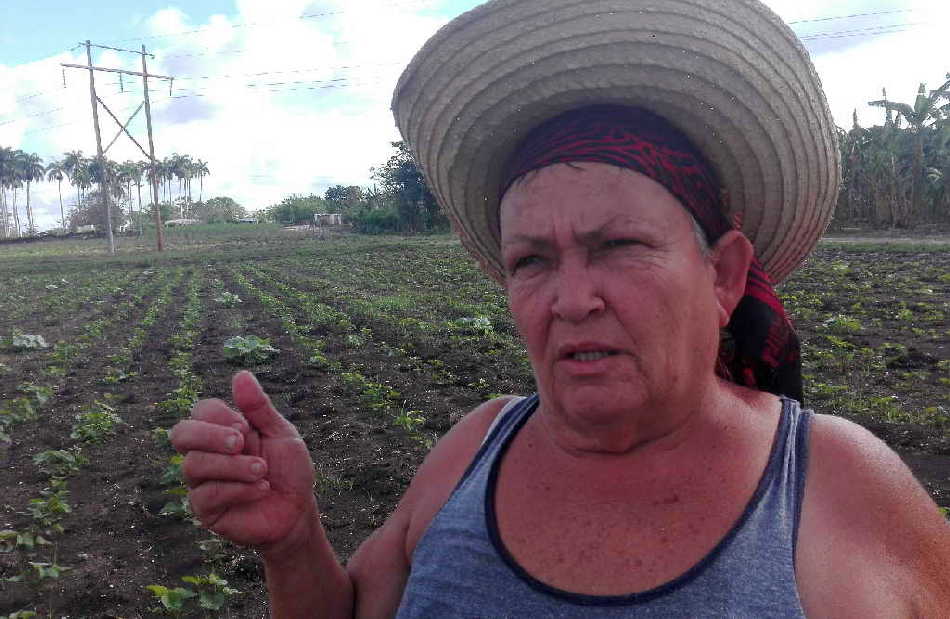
(590, 237)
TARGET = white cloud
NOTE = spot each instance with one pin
(320, 115)
(275, 104)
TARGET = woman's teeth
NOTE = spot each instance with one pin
(590, 356)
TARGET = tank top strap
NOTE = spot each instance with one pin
(508, 418)
(783, 481)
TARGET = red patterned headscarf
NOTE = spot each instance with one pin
(759, 347)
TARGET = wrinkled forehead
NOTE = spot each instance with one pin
(585, 197)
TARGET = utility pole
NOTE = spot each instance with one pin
(156, 210)
(104, 184)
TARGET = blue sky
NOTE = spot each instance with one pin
(35, 29)
(291, 96)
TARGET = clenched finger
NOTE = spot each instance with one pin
(201, 466)
(190, 435)
(212, 499)
(217, 411)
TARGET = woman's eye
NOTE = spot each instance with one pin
(611, 244)
(525, 261)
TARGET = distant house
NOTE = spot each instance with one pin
(327, 219)
(87, 229)
(246, 220)
(182, 222)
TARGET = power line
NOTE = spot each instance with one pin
(820, 19)
(858, 32)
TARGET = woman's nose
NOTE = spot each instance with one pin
(577, 294)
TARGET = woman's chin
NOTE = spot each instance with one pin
(599, 404)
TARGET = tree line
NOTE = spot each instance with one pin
(19, 170)
(897, 174)
(399, 201)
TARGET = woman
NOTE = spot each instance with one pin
(585, 155)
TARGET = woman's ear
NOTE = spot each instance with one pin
(730, 257)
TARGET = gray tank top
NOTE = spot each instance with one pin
(461, 568)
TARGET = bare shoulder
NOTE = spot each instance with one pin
(871, 541)
(380, 567)
(444, 466)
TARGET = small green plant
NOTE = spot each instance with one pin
(116, 376)
(96, 424)
(40, 393)
(17, 410)
(181, 399)
(48, 512)
(46, 571)
(11, 540)
(173, 600)
(26, 341)
(61, 462)
(842, 324)
(228, 299)
(172, 473)
(409, 420)
(212, 594)
(20, 614)
(248, 349)
(213, 591)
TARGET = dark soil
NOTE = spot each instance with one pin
(117, 542)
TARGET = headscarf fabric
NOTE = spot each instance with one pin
(759, 347)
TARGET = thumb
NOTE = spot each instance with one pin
(250, 398)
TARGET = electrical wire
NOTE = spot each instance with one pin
(822, 19)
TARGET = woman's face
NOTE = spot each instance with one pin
(609, 289)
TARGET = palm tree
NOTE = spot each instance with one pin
(56, 171)
(127, 173)
(201, 170)
(73, 164)
(923, 117)
(32, 169)
(16, 182)
(6, 180)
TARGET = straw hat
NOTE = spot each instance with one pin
(728, 73)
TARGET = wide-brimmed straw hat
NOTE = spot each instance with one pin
(728, 73)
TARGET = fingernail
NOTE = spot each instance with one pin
(257, 468)
(231, 443)
(263, 485)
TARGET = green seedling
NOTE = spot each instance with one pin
(26, 341)
(20, 614)
(47, 571)
(213, 591)
(17, 410)
(162, 436)
(117, 376)
(409, 420)
(250, 349)
(11, 540)
(95, 425)
(173, 600)
(40, 393)
(52, 508)
(172, 473)
(228, 299)
(181, 400)
(61, 462)
(842, 324)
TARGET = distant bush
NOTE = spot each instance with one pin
(374, 220)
